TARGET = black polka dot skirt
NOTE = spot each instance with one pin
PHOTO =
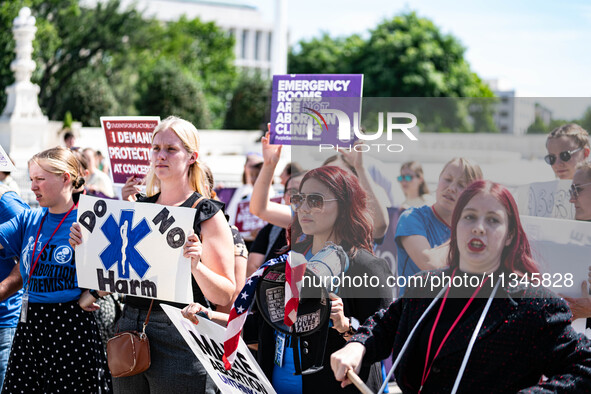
(58, 350)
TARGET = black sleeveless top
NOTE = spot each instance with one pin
(205, 210)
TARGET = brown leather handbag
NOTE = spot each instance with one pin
(128, 352)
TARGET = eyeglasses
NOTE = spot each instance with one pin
(564, 156)
(315, 201)
(576, 189)
(406, 178)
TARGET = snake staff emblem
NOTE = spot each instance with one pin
(123, 245)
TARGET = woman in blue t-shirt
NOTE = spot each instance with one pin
(56, 345)
(422, 233)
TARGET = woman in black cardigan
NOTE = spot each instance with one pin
(499, 333)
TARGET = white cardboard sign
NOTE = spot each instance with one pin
(561, 248)
(206, 340)
(134, 248)
(5, 163)
(546, 199)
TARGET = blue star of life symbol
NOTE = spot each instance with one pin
(123, 239)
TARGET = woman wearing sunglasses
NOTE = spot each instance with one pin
(567, 145)
(413, 185)
(580, 196)
(482, 333)
(422, 233)
(330, 207)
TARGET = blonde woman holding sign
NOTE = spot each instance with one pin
(56, 347)
(176, 179)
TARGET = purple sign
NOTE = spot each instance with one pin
(306, 109)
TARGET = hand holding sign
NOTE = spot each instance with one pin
(193, 249)
(271, 153)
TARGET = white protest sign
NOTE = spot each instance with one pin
(134, 248)
(5, 162)
(546, 199)
(561, 248)
(206, 340)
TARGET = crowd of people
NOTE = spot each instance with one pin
(444, 338)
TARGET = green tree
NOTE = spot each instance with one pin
(538, 127)
(166, 89)
(87, 96)
(585, 121)
(325, 55)
(407, 56)
(250, 102)
(206, 52)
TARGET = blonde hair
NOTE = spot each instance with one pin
(189, 136)
(573, 131)
(416, 167)
(585, 167)
(472, 171)
(59, 161)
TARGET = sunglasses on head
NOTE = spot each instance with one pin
(314, 201)
(406, 178)
(564, 156)
(576, 189)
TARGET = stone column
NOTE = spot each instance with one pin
(23, 127)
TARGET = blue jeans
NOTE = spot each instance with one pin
(6, 336)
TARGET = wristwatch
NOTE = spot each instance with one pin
(94, 293)
(353, 327)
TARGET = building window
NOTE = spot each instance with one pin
(269, 46)
(257, 44)
(244, 44)
(503, 114)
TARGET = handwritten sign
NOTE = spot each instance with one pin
(561, 248)
(5, 162)
(206, 340)
(299, 102)
(546, 199)
(134, 248)
(129, 141)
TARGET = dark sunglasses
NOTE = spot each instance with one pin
(406, 178)
(314, 201)
(576, 189)
(564, 156)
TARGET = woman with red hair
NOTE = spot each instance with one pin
(329, 208)
(477, 324)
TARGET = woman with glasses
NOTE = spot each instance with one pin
(488, 332)
(567, 145)
(413, 185)
(580, 196)
(422, 233)
(329, 208)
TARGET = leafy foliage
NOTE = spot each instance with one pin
(249, 106)
(166, 89)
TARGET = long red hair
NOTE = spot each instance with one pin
(516, 257)
(353, 227)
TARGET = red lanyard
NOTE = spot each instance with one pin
(47, 243)
(427, 368)
(439, 217)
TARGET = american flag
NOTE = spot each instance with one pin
(294, 273)
(240, 310)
